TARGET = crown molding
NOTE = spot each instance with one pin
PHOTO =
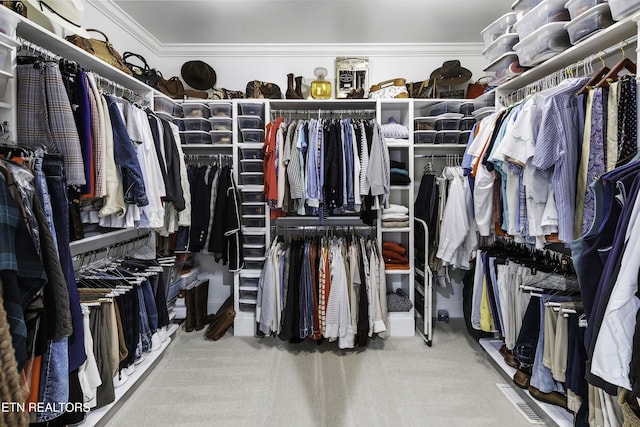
(129, 25)
(194, 50)
(320, 49)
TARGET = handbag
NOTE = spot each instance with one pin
(172, 87)
(147, 75)
(102, 49)
(222, 93)
(423, 89)
(258, 89)
(17, 6)
(394, 88)
(221, 321)
(476, 89)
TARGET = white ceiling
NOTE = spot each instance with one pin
(314, 21)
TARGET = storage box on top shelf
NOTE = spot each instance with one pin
(547, 11)
(504, 68)
(8, 23)
(578, 7)
(164, 105)
(522, 7)
(437, 108)
(502, 45)
(545, 43)
(590, 22)
(220, 109)
(251, 109)
(498, 27)
(195, 109)
(623, 8)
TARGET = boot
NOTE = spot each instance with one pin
(189, 301)
(299, 87)
(201, 297)
(291, 92)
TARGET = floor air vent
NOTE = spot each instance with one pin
(523, 407)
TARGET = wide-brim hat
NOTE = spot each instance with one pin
(450, 74)
(199, 75)
(57, 15)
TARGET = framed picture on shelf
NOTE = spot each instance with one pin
(352, 72)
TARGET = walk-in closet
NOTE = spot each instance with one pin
(315, 213)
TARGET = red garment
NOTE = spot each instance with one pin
(269, 162)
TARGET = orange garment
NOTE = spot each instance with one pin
(35, 379)
(397, 266)
(390, 256)
(395, 247)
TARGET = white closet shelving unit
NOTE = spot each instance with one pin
(35, 34)
(607, 41)
(400, 323)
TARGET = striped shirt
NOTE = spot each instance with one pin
(557, 146)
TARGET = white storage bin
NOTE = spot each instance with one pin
(166, 106)
(522, 7)
(251, 178)
(196, 124)
(447, 137)
(424, 123)
(498, 27)
(578, 7)
(544, 13)
(251, 108)
(505, 67)
(221, 136)
(590, 22)
(195, 137)
(251, 153)
(543, 44)
(220, 109)
(252, 196)
(622, 8)
(252, 208)
(250, 122)
(221, 123)
(252, 135)
(195, 109)
(425, 136)
(251, 165)
(500, 46)
(8, 24)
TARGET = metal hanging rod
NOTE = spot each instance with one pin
(582, 68)
(103, 82)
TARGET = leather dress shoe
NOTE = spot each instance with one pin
(512, 361)
(553, 398)
(521, 379)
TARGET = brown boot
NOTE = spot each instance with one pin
(291, 92)
(299, 87)
(189, 301)
(202, 298)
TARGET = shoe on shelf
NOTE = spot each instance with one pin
(553, 398)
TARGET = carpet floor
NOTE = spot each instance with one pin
(245, 381)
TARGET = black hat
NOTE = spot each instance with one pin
(450, 74)
(199, 75)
